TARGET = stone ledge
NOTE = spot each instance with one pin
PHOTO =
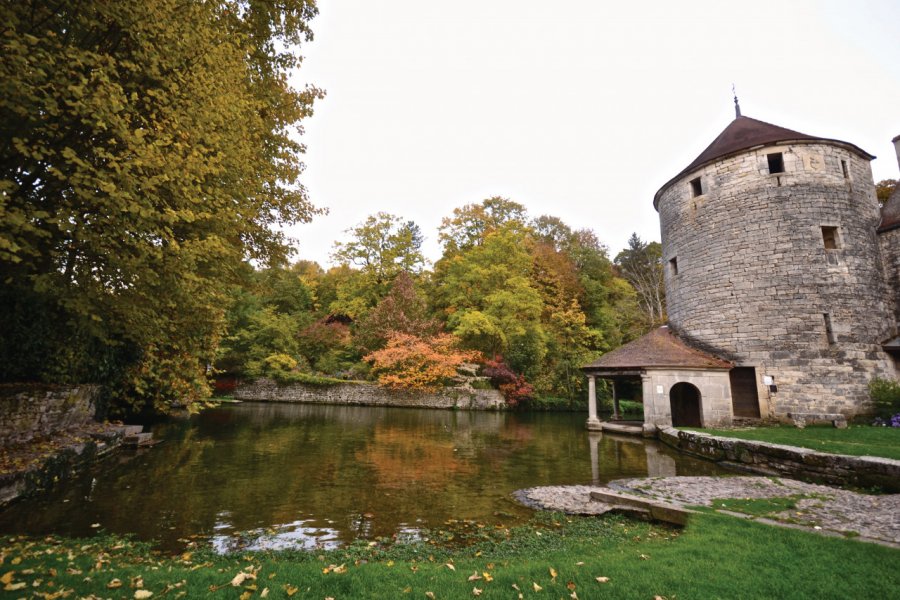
(803, 419)
(766, 458)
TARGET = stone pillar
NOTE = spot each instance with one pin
(615, 400)
(593, 423)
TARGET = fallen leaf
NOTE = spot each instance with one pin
(12, 587)
(487, 576)
(290, 590)
(573, 596)
(246, 596)
(142, 594)
(580, 563)
(536, 587)
(602, 579)
(95, 525)
(7, 578)
(552, 573)
(450, 566)
(476, 591)
(644, 557)
(659, 598)
(264, 593)
(429, 595)
(115, 583)
(571, 585)
(239, 579)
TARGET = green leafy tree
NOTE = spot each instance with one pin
(147, 149)
(471, 224)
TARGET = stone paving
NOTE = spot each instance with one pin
(824, 509)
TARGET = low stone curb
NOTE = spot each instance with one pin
(769, 459)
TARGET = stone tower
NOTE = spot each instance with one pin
(772, 262)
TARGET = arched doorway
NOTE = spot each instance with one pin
(684, 399)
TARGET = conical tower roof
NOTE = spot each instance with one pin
(744, 133)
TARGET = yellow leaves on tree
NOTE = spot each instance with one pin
(414, 363)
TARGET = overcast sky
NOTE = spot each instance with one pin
(577, 109)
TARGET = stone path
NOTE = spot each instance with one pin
(824, 509)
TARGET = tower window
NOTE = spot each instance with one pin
(830, 237)
(776, 162)
(696, 187)
(845, 170)
(673, 265)
(829, 332)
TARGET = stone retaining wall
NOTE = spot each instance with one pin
(787, 461)
(33, 411)
(366, 394)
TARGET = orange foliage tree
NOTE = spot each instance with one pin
(414, 363)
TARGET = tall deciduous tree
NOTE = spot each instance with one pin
(641, 265)
(381, 247)
(146, 149)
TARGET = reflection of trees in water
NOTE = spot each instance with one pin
(351, 471)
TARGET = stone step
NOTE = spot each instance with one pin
(127, 430)
(660, 511)
(138, 439)
(620, 428)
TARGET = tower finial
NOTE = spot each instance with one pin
(737, 107)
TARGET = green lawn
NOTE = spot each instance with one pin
(716, 556)
(857, 440)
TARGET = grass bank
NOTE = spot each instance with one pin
(856, 440)
(554, 557)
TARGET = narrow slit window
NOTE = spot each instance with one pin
(830, 237)
(776, 162)
(673, 265)
(829, 331)
(845, 170)
(696, 187)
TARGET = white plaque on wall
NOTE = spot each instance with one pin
(659, 389)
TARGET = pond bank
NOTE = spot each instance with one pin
(369, 394)
(765, 458)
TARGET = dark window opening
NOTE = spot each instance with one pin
(776, 162)
(844, 169)
(673, 265)
(829, 332)
(830, 238)
(696, 187)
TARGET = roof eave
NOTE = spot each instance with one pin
(692, 169)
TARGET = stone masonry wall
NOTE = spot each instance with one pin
(787, 461)
(890, 254)
(364, 394)
(754, 279)
(28, 412)
(715, 395)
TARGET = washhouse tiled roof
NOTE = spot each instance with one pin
(659, 348)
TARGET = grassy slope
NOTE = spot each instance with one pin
(857, 440)
(715, 557)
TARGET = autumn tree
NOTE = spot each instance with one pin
(411, 362)
(470, 225)
(403, 310)
(147, 150)
(641, 264)
(884, 189)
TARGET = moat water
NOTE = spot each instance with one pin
(260, 476)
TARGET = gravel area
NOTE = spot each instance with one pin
(826, 509)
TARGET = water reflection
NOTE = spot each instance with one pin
(269, 476)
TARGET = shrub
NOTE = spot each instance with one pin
(885, 395)
(514, 388)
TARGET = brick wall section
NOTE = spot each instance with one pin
(29, 412)
(754, 277)
(890, 252)
(364, 394)
(787, 461)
